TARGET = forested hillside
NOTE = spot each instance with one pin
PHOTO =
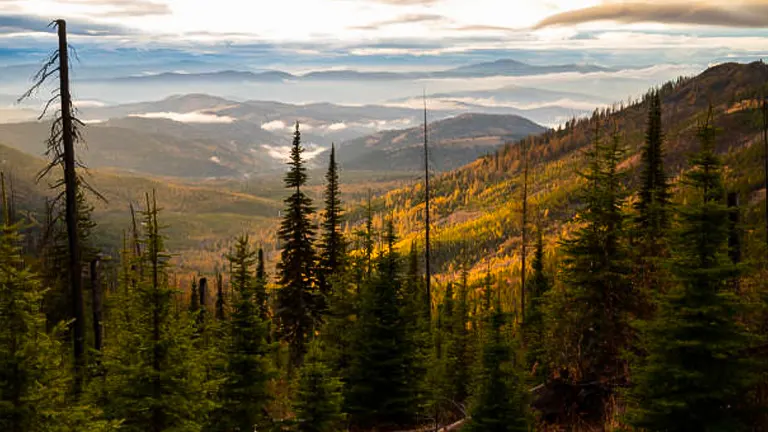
(607, 275)
(477, 208)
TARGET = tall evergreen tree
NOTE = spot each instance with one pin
(34, 378)
(261, 296)
(318, 399)
(376, 391)
(155, 374)
(332, 245)
(652, 214)
(653, 204)
(696, 375)
(244, 391)
(297, 298)
(457, 357)
(596, 272)
(499, 401)
(533, 330)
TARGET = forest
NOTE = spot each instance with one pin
(629, 293)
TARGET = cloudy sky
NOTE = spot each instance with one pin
(299, 35)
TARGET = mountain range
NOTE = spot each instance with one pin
(502, 67)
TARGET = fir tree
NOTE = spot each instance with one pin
(596, 272)
(499, 402)
(695, 375)
(457, 357)
(297, 299)
(376, 391)
(652, 218)
(332, 245)
(261, 298)
(533, 330)
(155, 376)
(34, 379)
(318, 400)
(244, 391)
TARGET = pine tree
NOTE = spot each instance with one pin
(652, 218)
(695, 375)
(261, 297)
(457, 357)
(499, 402)
(34, 379)
(332, 245)
(318, 400)
(297, 298)
(596, 272)
(376, 391)
(244, 391)
(154, 372)
(533, 330)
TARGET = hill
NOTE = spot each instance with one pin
(476, 207)
(454, 142)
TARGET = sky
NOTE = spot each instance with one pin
(298, 35)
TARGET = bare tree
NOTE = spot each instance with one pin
(60, 149)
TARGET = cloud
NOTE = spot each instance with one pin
(274, 125)
(190, 117)
(28, 23)
(117, 8)
(403, 19)
(751, 13)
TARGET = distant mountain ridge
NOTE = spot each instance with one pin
(502, 67)
(453, 142)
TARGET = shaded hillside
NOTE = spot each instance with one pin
(453, 142)
(477, 210)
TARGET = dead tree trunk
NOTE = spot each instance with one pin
(70, 187)
(427, 247)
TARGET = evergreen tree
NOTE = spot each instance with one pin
(499, 403)
(652, 218)
(533, 330)
(194, 299)
(376, 392)
(34, 379)
(155, 374)
(457, 357)
(244, 391)
(261, 297)
(318, 400)
(332, 245)
(695, 375)
(596, 273)
(297, 299)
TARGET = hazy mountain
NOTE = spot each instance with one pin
(453, 142)
(503, 67)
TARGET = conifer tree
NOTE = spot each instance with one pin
(457, 357)
(297, 298)
(596, 272)
(533, 329)
(332, 245)
(155, 376)
(696, 374)
(34, 379)
(318, 399)
(499, 403)
(416, 313)
(261, 287)
(376, 391)
(652, 218)
(244, 391)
